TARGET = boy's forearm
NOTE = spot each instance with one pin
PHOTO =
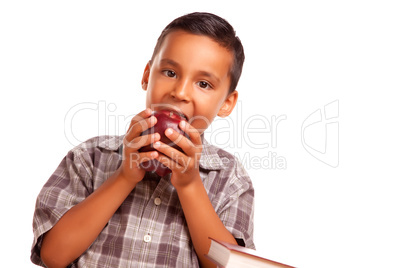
(202, 220)
(80, 226)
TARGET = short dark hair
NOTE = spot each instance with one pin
(216, 28)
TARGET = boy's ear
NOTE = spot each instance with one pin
(145, 76)
(229, 104)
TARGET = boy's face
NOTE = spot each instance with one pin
(190, 73)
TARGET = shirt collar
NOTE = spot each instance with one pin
(209, 157)
(111, 143)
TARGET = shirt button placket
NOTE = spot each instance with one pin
(147, 238)
(157, 201)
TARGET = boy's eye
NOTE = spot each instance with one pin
(203, 84)
(169, 73)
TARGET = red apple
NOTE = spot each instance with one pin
(165, 119)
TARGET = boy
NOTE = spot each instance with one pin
(101, 209)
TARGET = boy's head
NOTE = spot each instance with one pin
(214, 27)
(195, 68)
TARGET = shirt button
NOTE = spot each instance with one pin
(147, 238)
(157, 201)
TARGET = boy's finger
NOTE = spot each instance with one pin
(141, 141)
(140, 126)
(192, 132)
(170, 152)
(138, 158)
(140, 116)
(168, 162)
(178, 138)
(183, 142)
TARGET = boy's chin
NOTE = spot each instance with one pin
(201, 124)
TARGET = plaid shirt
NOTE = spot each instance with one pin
(149, 229)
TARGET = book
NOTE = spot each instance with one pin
(224, 254)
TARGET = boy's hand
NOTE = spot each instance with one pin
(133, 141)
(184, 165)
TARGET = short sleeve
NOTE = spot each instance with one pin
(236, 210)
(69, 185)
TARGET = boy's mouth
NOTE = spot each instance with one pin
(158, 107)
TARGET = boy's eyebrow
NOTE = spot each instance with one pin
(210, 75)
(169, 61)
(204, 73)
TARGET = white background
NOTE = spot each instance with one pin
(300, 56)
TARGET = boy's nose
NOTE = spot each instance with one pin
(182, 91)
